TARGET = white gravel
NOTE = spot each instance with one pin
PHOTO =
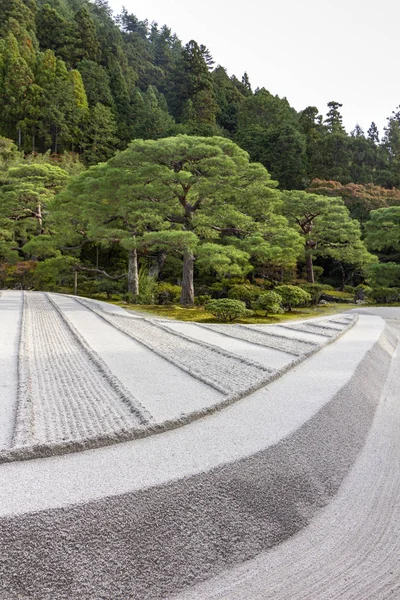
(218, 368)
(64, 393)
(290, 333)
(252, 424)
(274, 359)
(160, 386)
(265, 337)
(351, 550)
(10, 325)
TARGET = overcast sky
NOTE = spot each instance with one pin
(311, 51)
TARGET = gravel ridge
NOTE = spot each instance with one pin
(154, 543)
(129, 431)
(320, 328)
(72, 395)
(222, 370)
(355, 541)
(273, 339)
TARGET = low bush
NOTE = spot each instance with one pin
(109, 287)
(202, 299)
(19, 276)
(246, 292)
(270, 302)
(292, 295)
(315, 290)
(168, 293)
(385, 295)
(227, 309)
(361, 292)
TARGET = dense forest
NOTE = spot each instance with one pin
(263, 194)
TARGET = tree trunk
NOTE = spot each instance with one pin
(133, 275)
(157, 265)
(310, 268)
(187, 295)
(40, 217)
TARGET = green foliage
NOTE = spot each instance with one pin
(383, 229)
(385, 295)
(108, 287)
(147, 289)
(226, 309)
(53, 272)
(168, 293)
(270, 302)
(315, 290)
(327, 229)
(292, 296)
(18, 276)
(245, 292)
(384, 275)
(202, 299)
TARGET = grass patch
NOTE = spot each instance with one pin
(200, 315)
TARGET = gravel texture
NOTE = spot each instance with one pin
(327, 328)
(355, 541)
(220, 369)
(10, 326)
(159, 541)
(70, 399)
(258, 421)
(64, 390)
(268, 357)
(164, 389)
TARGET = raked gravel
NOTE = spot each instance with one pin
(164, 389)
(259, 421)
(218, 368)
(151, 544)
(10, 327)
(64, 391)
(351, 550)
(266, 337)
(269, 357)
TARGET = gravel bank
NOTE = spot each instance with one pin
(64, 391)
(155, 542)
(164, 389)
(268, 357)
(355, 541)
(256, 422)
(10, 326)
(220, 369)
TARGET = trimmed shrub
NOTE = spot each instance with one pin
(168, 293)
(245, 292)
(227, 309)
(361, 292)
(19, 276)
(109, 287)
(315, 290)
(202, 299)
(385, 295)
(292, 295)
(270, 302)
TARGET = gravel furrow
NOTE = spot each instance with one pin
(264, 337)
(355, 542)
(320, 329)
(220, 369)
(63, 393)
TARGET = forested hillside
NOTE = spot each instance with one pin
(217, 189)
(73, 78)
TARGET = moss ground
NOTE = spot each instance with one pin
(200, 315)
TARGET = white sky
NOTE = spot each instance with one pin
(311, 51)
